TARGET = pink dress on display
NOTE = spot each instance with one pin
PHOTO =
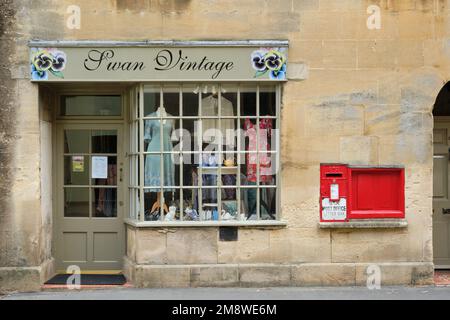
(265, 165)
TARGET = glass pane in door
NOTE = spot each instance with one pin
(76, 141)
(76, 170)
(76, 202)
(111, 173)
(104, 141)
(104, 202)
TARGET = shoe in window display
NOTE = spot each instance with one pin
(152, 216)
(191, 214)
(227, 216)
(170, 216)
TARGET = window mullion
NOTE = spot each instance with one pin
(238, 155)
(258, 168)
(161, 153)
(180, 154)
(277, 150)
(220, 160)
(141, 154)
(200, 160)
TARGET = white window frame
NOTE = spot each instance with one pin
(136, 152)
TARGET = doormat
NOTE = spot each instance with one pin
(442, 277)
(90, 279)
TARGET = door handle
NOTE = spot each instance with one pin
(445, 210)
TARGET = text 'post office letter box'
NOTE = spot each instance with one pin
(333, 192)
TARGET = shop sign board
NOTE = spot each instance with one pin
(56, 64)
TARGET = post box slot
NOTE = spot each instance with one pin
(333, 174)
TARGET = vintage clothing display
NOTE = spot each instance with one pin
(265, 165)
(152, 136)
(210, 108)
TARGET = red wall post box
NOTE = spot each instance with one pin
(355, 192)
(334, 189)
(377, 192)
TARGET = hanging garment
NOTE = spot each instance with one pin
(210, 107)
(265, 165)
(152, 170)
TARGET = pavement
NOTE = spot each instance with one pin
(279, 293)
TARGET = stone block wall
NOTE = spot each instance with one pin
(355, 95)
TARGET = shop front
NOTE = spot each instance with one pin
(272, 145)
(170, 137)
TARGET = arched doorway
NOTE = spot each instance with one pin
(441, 179)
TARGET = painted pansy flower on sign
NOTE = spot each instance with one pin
(272, 60)
(47, 60)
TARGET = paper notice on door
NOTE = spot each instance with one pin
(77, 163)
(99, 167)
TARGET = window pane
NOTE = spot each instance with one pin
(209, 195)
(267, 134)
(172, 198)
(105, 202)
(209, 211)
(111, 179)
(248, 101)
(76, 202)
(229, 179)
(267, 101)
(229, 210)
(229, 100)
(248, 168)
(190, 169)
(154, 199)
(91, 106)
(104, 141)
(210, 101)
(190, 100)
(171, 100)
(229, 131)
(268, 168)
(153, 177)
(175, 163)
(229, 161)
(76, 170)
(159, 139)
(151, 100)
(76, 141)
(248, 197)
(191, 139)
(267, 203)
(190, 205)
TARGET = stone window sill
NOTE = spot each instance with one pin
(365, 224)
(177, 224)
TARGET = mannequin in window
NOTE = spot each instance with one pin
(210, 108)
(265, 164)
(152, 169)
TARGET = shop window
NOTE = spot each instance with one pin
(204, 152)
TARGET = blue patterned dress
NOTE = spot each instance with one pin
(152, 169)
